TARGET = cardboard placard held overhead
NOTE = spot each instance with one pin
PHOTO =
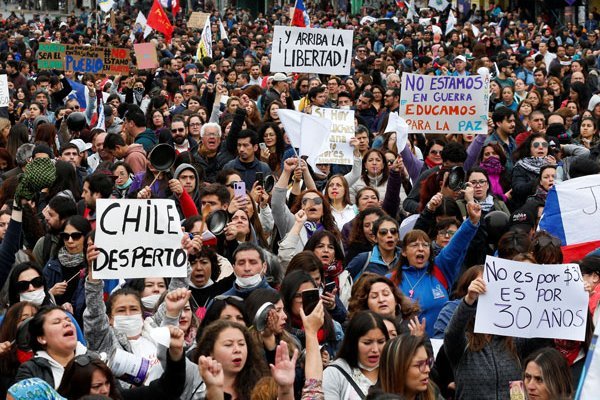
(138, 239)
(145, 55)
(83, 59)
(197, 20)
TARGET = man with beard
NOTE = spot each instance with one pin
(96, 186)
(209, 155)
(59, 209)
(246, 163)
(182, 142)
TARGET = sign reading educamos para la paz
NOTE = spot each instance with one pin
(311, 50)
(83, 59)
(530, 300)
(138, 239)
(445, 104)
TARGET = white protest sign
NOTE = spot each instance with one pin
(398, 124)
(4, 96)
(291, 120)
(315, 132)
(445, 104)
(342, 130)
(530, 300)
(138, 239)
(311, 50)
(439, 5)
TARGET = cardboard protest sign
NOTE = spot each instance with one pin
(145, 55)
(342, 130)
(4, 96)
(530, 300)
(197, 20)
(445, 104)
(138, 239)
(83, 59)
(311, 50)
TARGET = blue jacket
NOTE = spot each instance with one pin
(375, 263)
(53, 274)
(429, 291)
(248, 171)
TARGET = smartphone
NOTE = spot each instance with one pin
(260, 178)
(310, 299)
(263, 146)
(239, 189)
(329, 287)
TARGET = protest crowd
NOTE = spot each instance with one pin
(321, 201)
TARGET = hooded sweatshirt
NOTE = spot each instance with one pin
(196, 193)
(136, 158)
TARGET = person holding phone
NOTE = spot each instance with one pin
(246, 162)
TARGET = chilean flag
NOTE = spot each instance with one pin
(300, 18)
(572, 214)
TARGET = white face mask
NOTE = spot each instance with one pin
(36, 297)
(130, 325)
(369, 369)
(249, 281)
(150, 301)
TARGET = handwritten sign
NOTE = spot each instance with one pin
(311, 50)
(197, 20)
(83, 59)
(342, 130)
(4, 96)
(530, 300)
(445, 104)
(145, 55)
(138, 239)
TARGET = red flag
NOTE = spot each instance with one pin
(158, 20)
(175, 7)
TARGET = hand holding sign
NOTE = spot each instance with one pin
(398, 124)
(476, 288)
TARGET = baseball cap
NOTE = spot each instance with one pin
(522, 219)
(460, 58)
(281, 77)
(81, 145)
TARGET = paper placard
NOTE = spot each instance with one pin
(342, 130)
(138, 239)
(197, 20)
(4, 96)
(530, 300)
(311, 50)
(445, 104)
(145, 55)
(83, 59)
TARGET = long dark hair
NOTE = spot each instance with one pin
(78, 222)
(279, 143)
(359, 325)
(385, 172)
(77, 379)
(346, 198)
(555, 372)
(327, 219)
(410, 237)
(9, 363)
(524, 150)
(357, 234)
(13, 279)
(17, 135)
(255, 366)
(316, 238)
(66, 179)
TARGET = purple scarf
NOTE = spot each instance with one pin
(494, 169)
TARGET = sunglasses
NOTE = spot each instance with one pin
(73, 235)
(390, 162)
(385, 231)
(84, 359)
(177, 130)
(36, 282)
(425, 363)
(538, 144)
(317, 201)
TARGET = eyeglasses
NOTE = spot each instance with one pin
(479, 182)
(178, 130)
(187, 90)
(538, 144)
(385, 231)
(447, 232)
(424, 364)
(317, 201)
(195, 124)
(36, 282)
(73, 235)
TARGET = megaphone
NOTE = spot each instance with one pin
(162, 157)
(217, 221)
(76, 121)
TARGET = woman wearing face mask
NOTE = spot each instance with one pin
(53, 338)
(493, 161)
(13, 357)
(530, 157)
(123, 176)
(149, 290)
(316, 213)
(26, 283)
(65, 274)
(232, 346)
(356, 366)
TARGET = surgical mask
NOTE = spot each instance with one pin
(150, 301)
(249, 281)
(130, 325)
(36, 297)
(369, 369)
(125, 185)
